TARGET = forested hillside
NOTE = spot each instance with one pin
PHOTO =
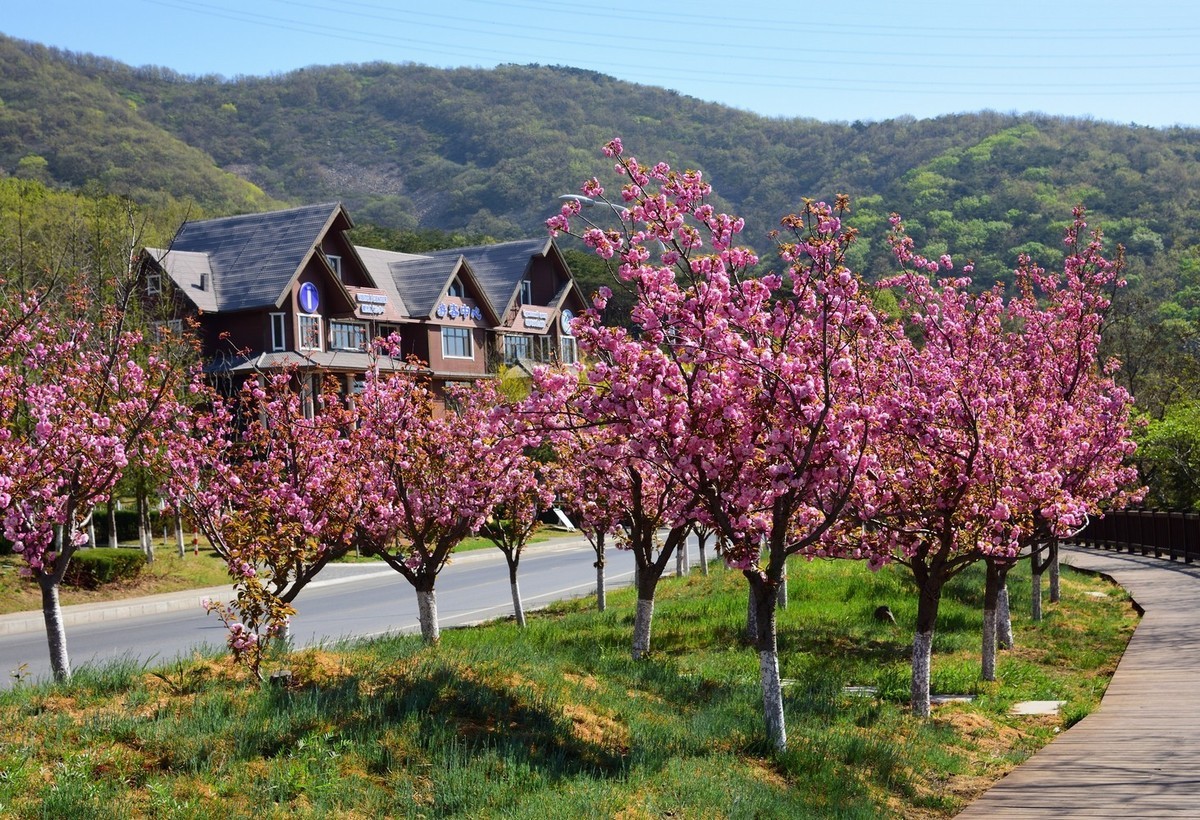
(417, 152)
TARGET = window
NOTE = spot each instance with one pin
(456, 289)
(172, 328)
(526, 292)
(335, 262)
(456, 343)
(310, 333)
(543, 348)
(347, 336)
(516, 347)
(567, 353)
(278, 331)
(153, 282)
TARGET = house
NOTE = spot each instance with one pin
(289, 289)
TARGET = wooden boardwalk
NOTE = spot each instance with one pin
(1138, 755)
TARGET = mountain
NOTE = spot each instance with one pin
(488, 151)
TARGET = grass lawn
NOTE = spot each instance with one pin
(557, 721)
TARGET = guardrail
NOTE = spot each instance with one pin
(1166, 533)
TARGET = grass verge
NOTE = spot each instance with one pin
(557, 721)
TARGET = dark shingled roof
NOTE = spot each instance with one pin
(422, 280)
(499, 269)
(255, 256)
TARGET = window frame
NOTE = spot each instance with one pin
(361, 333)
(278, 332)
(526, 291)
(460, 333)
(301, 341)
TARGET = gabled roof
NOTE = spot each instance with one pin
(191, 273)
(499, 269)
(379, 267)
(255, 257)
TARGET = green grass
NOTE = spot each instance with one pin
(557, 721)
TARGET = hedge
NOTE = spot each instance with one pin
(92, 568)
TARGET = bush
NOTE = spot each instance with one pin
(92, 568)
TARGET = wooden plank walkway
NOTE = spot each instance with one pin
(1138, 754)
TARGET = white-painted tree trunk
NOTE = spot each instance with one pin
(781, 594)
(922, 656)
(703, 556)
(772, 692)
(56, 634)
(601, 599)
(427, 615)
(92, 532)
(1004, 630)
(680, 562)
(112, 524)
(988, 664)
(518, 606)
(642, 622)
(179, 545)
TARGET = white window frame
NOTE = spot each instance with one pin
(568, 353)
(527, 291)
(463, 333)
(456, 289)
(335, 262)
(153, 282)
(301, 341)
(278, 332)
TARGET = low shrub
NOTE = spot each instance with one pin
(92, 568)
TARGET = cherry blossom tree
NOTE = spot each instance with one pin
(753, 409)
(79, 399)
(976, 455)
(412, 513)
(523, 486)
(275, 493)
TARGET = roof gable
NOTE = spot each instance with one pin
(500, 268)
(256, 257)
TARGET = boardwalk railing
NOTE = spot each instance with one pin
(1166, 533)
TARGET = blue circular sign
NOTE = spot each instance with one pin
(310, 300)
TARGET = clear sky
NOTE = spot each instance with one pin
(1113, 60)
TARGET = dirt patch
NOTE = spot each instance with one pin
(588, 682)
(595, 728)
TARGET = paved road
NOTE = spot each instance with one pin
(349, 600)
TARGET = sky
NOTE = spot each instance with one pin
(1115, 60)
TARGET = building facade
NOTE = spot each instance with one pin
(289, 289)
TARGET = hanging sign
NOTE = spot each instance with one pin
(310, 299)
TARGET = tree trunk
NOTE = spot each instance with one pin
(179, 532)
(601, 600)
(145, 535)
(285, 635)
(1055, 581)
(1004, 630)
(518, 605)
(56, 634)
(642, 622)
(680, 560)
(763, 597)
(701, 541)
(781, 594)
(427, 615)
(929, 598)
(91, 542)
(112, 523)
(991, 596)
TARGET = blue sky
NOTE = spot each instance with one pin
(1125, 62)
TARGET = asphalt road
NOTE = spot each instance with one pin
(347, 601)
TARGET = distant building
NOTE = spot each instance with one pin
(287, 288)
